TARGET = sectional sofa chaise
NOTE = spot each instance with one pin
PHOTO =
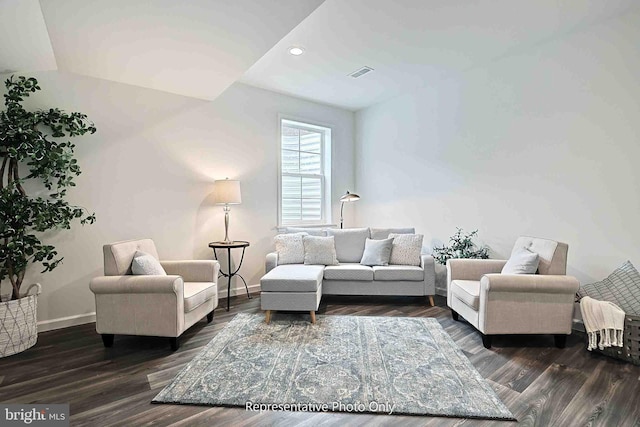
(299, 287)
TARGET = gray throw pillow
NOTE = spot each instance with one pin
(406, 249)
(622, 287)
(146, 265)
(349, 243)
(522, 261)
(376, 252)
(290, 248)
(319, 250)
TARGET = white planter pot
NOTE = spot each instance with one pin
(19, 322)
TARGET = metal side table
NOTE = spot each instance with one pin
(229, 274)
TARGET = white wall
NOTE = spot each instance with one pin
(543, 142)
(149, 172)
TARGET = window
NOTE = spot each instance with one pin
(305, 174)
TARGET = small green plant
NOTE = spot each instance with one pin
(461, 246)
(32, 142)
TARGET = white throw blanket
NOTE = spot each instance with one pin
(602, 318)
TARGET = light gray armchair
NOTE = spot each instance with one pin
(500, 304)
(163, 306)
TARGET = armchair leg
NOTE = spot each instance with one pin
(454, 315)
(107, 340)
(267, 316)
(486, 341)
(431, 301)
(175, 343)
(210, 317)
(313, 316)
(560, 340)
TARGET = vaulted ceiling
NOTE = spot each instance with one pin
(198, 48)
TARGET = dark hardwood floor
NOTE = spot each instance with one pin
(541, 385)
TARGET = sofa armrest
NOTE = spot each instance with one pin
(472, 269)
(200, 270)
(271, 261)
(529, 283)
(427, 263)
(137, 285)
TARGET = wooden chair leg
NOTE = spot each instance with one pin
(107, 340)
(560, 340)
(313, 316)
(267, 316)
(175, 343)
(486, 341)
(431, 301)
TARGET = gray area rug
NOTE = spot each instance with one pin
(390, 365)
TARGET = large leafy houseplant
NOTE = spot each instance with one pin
(36, 154)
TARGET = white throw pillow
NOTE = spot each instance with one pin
(320, 250)
(290, 248)
(406, 249)
(522, 261)
(145, 264)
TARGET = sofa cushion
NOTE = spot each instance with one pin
(377, 252)
(292, 278)
(467, 291)
(319, 250)
(398, 272)
(521, 261)
(320, 232)
(290, 248)
(147, 265)
(349, 243)
(383, 233)
(406, 249)
(197, 293)
(348, 272)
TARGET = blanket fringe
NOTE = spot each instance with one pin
(608, 338)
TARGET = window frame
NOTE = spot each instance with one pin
(326, 169)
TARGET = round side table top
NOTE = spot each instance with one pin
(233, 244)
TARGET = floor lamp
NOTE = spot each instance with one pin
(348, 197)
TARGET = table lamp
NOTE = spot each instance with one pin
(227, 192)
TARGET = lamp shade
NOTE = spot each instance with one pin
(349, 197)
(227, 192)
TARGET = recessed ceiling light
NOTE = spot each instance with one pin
(296, 50)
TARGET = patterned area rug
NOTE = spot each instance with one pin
(390, 365)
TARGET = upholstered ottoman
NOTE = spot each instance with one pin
(292, 287)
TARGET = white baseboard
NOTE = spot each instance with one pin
(65, 322)
(222, 289)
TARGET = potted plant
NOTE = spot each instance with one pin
(38, 166)
(461, 245)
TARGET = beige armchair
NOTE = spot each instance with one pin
(163, 306)
(499, 304)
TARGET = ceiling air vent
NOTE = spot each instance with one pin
(361, 72)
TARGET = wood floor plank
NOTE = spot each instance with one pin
(540, 384)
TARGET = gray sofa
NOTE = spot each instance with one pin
(300, 287)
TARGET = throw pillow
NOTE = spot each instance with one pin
(146, 265)
(349, 243)
(522, 261)
(622, 287)
(290, 248)
(406, 249)
(383, 233)
(310, 231)
(376, 252)
(319, 250)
